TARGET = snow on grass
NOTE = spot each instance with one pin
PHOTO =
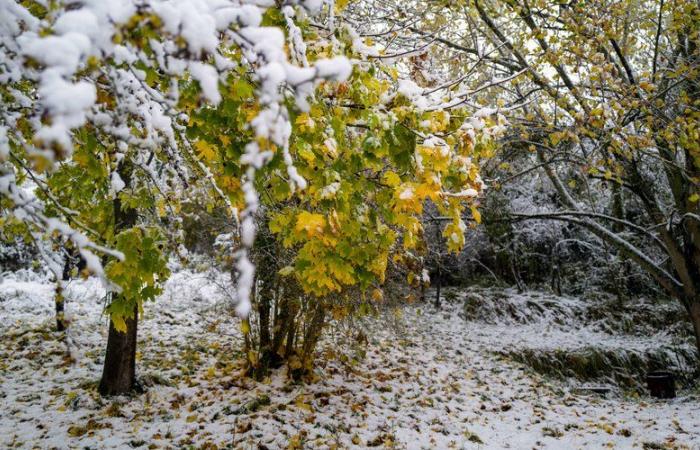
(503, 318)
(428, 380)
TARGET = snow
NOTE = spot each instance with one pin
(117, 183)
(466, 193)
(330, 190)
(62, 53)
(81, 35)
(80, 21)
(406, 194)
(208, 79)
(335, 69)
(4, 144)
(414, 93)
(428, 380)
(193, 20)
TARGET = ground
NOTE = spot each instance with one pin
(426, 380)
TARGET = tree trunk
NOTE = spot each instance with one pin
(311, 338)
(60, 307)
(438, 286)
(694, 310)
(119, 372)
(59, 299)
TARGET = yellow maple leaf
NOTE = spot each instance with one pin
(206, 150)
(310, 224)
(119, 323)
(391, 179)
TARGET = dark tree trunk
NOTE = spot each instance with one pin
(60, 308)
(59, 299)
(311, 338)
(119, 372)
(438, 286)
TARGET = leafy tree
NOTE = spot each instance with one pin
(370, 159)
(604, 96)
(115, 110)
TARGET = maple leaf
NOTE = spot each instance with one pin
(206, 150)
(310, 224)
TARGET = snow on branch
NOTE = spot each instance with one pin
(192, 38)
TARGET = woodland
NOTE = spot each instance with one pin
(335, 224)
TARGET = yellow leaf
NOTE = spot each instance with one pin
(555, 138)
(160, 207)
(476, 214)
(305, 122)
(392, 179)
(694, 198)
(301, 404)
(310, 224)
(119, 323)
(340, 5)
(253, 358)
(285, 271)
(377, 295)
(77, 431)
(206, 150)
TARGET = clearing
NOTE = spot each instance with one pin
(426, 380)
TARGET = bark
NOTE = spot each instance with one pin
(59, 299)
(60, 314)
(694, 311)
(311, 338)
(438, 274)
(119, 372)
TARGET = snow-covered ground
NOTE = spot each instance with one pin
(428, 380)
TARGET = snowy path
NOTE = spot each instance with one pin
(424, 383)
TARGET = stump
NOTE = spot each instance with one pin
(661, 384)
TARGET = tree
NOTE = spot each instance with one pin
(370, 158)
(116, 109)
(112, 144)
(604, 95)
